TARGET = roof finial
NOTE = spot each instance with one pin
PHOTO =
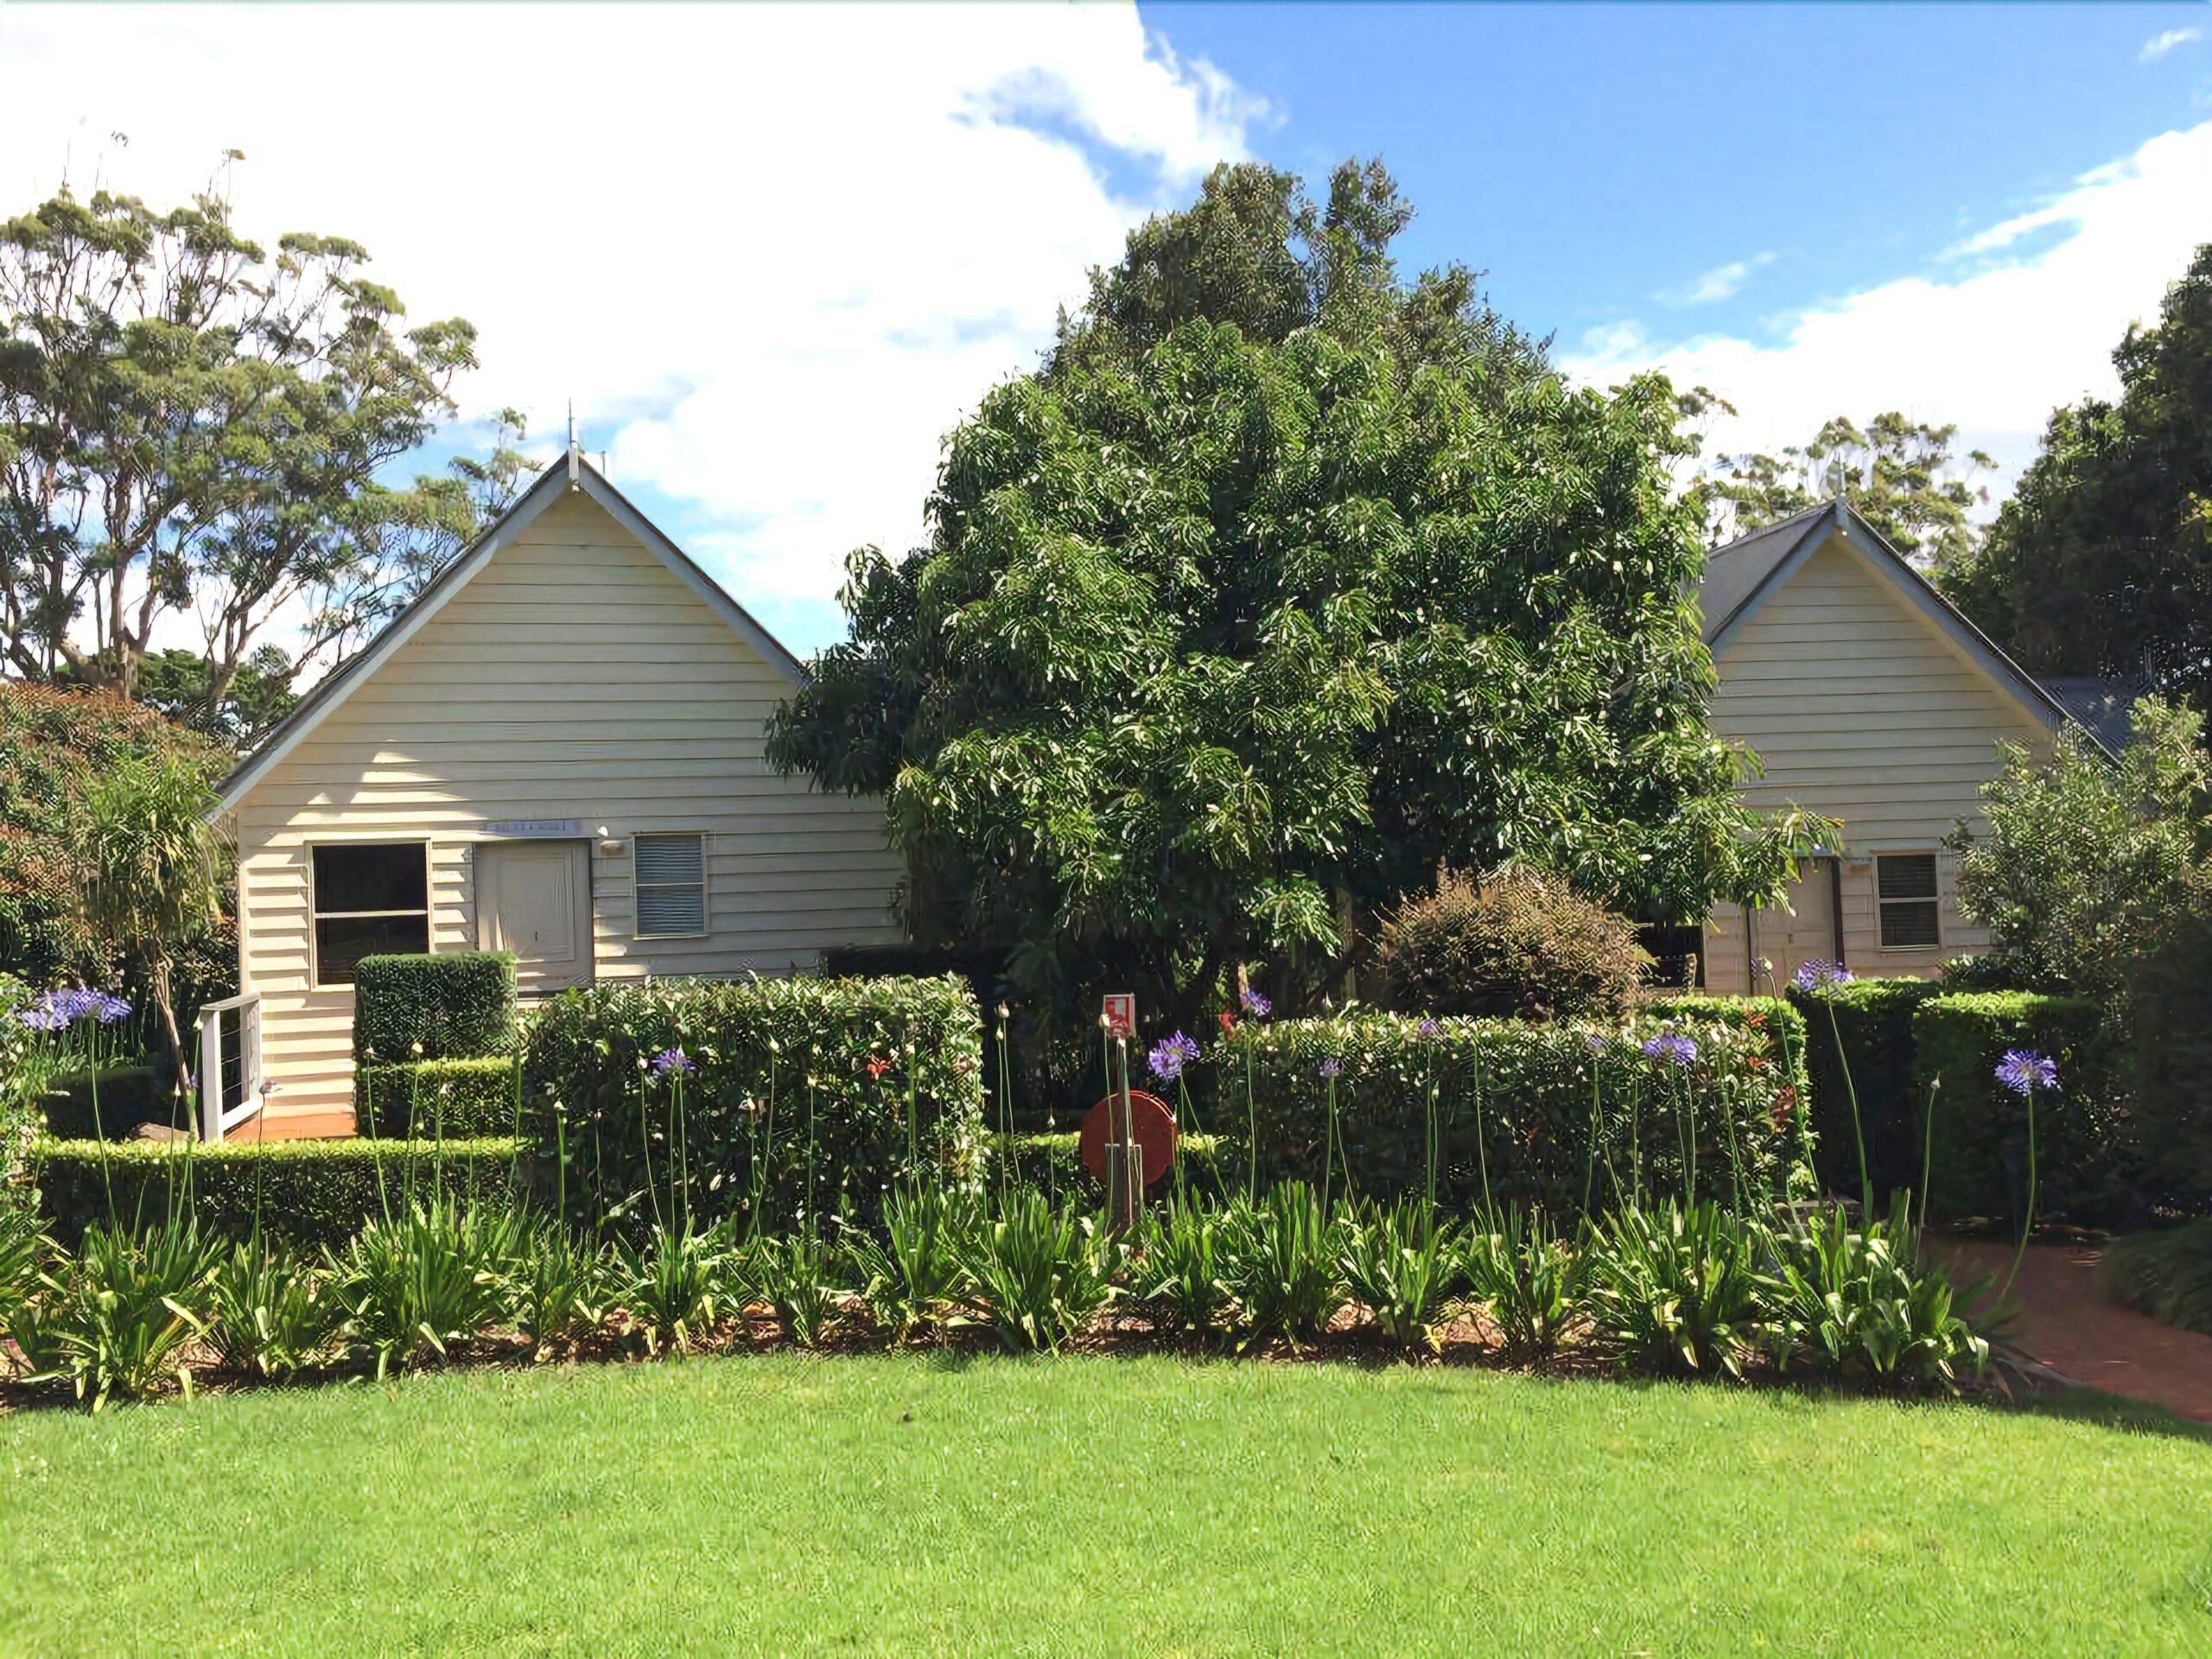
(575, 451)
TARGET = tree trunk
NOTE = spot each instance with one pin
(168, 1020)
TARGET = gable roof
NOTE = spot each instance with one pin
(1742, 576)
(570, 473)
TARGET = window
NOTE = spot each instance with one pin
(671, 876)
(1905, 888)
(369, 901)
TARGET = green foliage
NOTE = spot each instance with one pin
(1878, 1058)
(1866, 1301)
(2168, 1068)
(438, 1098)
(270, 1313)
(1529, 1283)
(1676, 1289)
(1053, 1163)
(560, 1287)
(1518, 943)
(1900, 475)
(425, 1281)
(803, 1279)
(810, 1096)
(56, 746)
(1184, 1270)
(129, 1305)
(1979, 1129)
(192, 425)
(1515, 1104)
(1281, 1259)
(2101, 562)
(449, 1005)
(2166, 1275)
(1038, 1273)
(1402, 1264)
(677, 1284)
(1231, 626)
(308, 1192)
(909, 1277)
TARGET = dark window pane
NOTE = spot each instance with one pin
(370, 878)
(666, 911)
(1910, 926)
(671, 858)
(1911, 876)
(341, 941)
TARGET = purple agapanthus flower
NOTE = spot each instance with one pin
(1673, 1047)
(1427, 1028)
(2023, 1070)
(1819, 975)
(1254, 1004)
(57, 1010)
(673, 1060)
(1169, 1057)
(1332, 1067)
(1595, 1043)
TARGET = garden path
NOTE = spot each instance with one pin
(2068, 1326)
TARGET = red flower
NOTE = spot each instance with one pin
(1228, 1020)
(1755, 1019)
(877, 1067)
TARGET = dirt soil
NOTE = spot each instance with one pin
(2068, 1326)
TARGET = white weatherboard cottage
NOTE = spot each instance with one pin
(556, 750)
(1871, 699)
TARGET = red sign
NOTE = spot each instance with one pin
(1152, 1125)
(1121, 1014)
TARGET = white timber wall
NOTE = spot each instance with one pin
(573, 677)
(1862, 709)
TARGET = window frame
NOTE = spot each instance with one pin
(1935, 867)
(316, 913)
(637, 914)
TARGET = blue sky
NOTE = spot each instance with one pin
(772, 254)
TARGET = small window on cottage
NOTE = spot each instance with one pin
(671, 876)
(1905, 889)
(369, 901)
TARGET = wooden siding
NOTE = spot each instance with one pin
(1861, 707)
(574, 676)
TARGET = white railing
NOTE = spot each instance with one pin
(230, 1064)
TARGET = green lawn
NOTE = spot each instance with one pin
(1093, 1506)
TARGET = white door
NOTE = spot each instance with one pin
(534, 897)
(1806, 930)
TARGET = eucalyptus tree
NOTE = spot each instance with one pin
(1228, 633)
(191, 430)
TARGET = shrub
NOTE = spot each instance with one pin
(2167, 1065)
(1281, 1255)
(1513, 1104)
(1515, 944)
(2166, 1275)
(678, 1284)
(308, 1192)
(1866, 1301)
(559, 1287)
(806, 1095)
(908, 1278)
(426, 1279)
(130, 1304)
(451, 1005)
(1978, 1131)
(1675, 1289)
(1038, 1273)
(1530, 1283)
(270, 1312)
(1183, 1271)
(437, 1099)
(1873, 1019)
(1053, 1163)
(1402, 1264)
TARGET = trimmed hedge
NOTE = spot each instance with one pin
(1874, 1018)
(1980, 1127)
(310, 1192)
(1053, 1163)
(445, 1099)
(449, 1005)
(1527, 1132)
(810, 1096)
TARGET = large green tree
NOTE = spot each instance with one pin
(1230, 631)
(2101, 562)
(191, 430)
(1904, 477)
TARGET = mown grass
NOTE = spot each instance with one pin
(916, 1505)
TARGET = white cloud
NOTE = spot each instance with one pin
(772, 253)
(1721, 282)
(1993, 342)
(2158, 45)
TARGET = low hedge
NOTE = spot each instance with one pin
(1524, 1134)
(1873, 1019)
(436, 1099)
(810, 1095)
(449, 1005)
(310, 1192)
(1053, 1163)
(1980, 1126)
